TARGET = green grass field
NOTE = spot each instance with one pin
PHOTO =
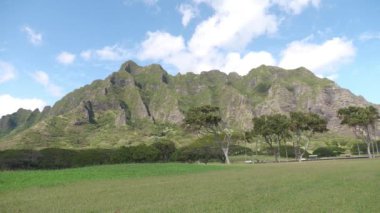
(329, 186)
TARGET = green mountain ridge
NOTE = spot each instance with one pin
(140, 104)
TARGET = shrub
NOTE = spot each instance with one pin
(53, 158)
(88, 157)
(166, 148)
(19, 159)
(330, 151)
(202, 150)
(143, 153)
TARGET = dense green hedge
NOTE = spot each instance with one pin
(160, 151)
(54, 158)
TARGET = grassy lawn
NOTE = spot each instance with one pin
(329, 186)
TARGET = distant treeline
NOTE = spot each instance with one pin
(161, 151)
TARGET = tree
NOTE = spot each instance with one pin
(274, 129)
(304, 126)
(207, 120)
(362, 121)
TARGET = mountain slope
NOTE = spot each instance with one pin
(138, 104)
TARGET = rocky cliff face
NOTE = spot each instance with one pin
(146, 97)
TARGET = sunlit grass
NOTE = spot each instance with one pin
(329, 186)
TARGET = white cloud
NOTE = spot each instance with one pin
(369, 36)
(165, 45)
(86, 55)
(215, 40)
(66, 58)
(219, 40)
(11, 104)
(106, 53)
(34, 37)
(7, 71)
(242, 65)
(43, 78)
(323, 59)
(296, 6)
(232, 26)
(188, 12)
(111, 53)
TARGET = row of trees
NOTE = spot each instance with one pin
(202, 150)
(277, 129)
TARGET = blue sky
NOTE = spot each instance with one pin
(49, 48)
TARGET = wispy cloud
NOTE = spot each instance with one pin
(34, 37)
(151, 4)
(296, 6)
(369, 36)
(10, 104)
(7, 71)
(66, 58)
(188, 12)
(42, 78)
(107, 53)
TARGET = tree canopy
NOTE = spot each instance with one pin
(273, 128)
(203, 117)
(362, 120)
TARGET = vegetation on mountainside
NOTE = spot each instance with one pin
(138, 105)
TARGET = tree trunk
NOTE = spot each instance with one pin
(275, 155)
(305, 150)
(369, 150)
(225, 152)
(357, 145)
(286, 152)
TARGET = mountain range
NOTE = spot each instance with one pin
(141, 103)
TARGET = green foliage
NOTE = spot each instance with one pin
(206, 116)
(358, 116)
(203, 149)
(273, 128)
(269, 126)
(16, 159)
(302, 122)
(361, 148)
(362, 120)
(166, 149)
(54, 158)
(143, 153)
(263, 87)
(330, 151)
